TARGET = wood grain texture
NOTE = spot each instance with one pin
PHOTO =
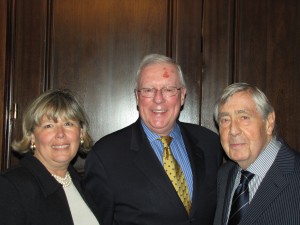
(3, 49)
(93, 47)
(268, 56)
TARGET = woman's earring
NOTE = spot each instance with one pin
(32, 145)
(81, 141)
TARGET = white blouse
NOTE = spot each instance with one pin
(81, 213)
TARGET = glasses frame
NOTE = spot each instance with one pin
(163, 91)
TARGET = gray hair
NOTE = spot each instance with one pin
(262, 103)
(156, 59)
(53, 104)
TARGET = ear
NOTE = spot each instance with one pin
(136, 97)
(32, 137)
(182, 96)
(270, 123)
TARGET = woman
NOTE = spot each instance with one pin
(45, 189)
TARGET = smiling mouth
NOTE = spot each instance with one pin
(159, 111)
(60, 146)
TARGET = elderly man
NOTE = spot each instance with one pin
(157, 171)
(260, 184)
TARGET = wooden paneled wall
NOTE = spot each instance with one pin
(93, 47)
(3, 68)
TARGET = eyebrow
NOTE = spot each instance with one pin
(240, 111)
(222, 114)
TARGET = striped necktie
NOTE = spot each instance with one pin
(240, 200)
(175, 173)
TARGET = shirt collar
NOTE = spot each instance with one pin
(175, 133)
(265, 159)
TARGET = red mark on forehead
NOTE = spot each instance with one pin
(166, 74)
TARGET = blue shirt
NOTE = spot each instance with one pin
(178, 150)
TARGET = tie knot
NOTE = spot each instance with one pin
(166, 140)
(246, 176)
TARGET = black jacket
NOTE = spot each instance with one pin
(30, 195)
(130, 186)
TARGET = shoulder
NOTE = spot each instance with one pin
(16, 181)
(227, 167)
(202, 136)
(198, 130)
(116, 137)
(287, 154)
(290, 154)
(110, 145)
(204, 139)
(18, 174)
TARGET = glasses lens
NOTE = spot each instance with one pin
(166, 92)
(148, 92)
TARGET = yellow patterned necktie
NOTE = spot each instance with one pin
(175, 173)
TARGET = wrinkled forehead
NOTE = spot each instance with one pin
(160, 71)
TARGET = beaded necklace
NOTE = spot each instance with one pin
(64, 181)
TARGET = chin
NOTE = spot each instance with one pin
(236, 156)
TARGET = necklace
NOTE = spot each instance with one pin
(64, 181)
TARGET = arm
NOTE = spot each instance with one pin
(12, 211)
(97, 184)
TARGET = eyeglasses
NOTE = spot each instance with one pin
(166, 92)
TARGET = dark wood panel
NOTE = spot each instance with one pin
(94, 47)
(187, 51)
(268, 56)
(218, 52)
(97, 46)
(27, 57)
(3, 33)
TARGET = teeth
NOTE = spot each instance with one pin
(159, 111)
(60, 146)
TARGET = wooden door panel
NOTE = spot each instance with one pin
(267, 56)
(93, 47)
(97, 46)
(26, 72)
(3, 68)
(218, 52)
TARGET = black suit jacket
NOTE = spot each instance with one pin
(277, 200)
(29, 195)
(130, 186)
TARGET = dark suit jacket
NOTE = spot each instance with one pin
(30, 195)
(277, 200)
(130, 186)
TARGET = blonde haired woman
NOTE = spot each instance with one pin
(45, 189)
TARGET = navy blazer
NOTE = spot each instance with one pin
(30, 195)
(277, 199)
(130, 186)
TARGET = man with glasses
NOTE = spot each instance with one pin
(157, 171)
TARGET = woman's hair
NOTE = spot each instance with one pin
(262, 103)
(54, 104)
(156, 59)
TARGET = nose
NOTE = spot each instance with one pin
(60, 132)
(234, 128)
(158, 97)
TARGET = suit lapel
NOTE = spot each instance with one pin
(229, 188)
(148, 163)
(53, 192)
(272, 185)
(196, 157)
